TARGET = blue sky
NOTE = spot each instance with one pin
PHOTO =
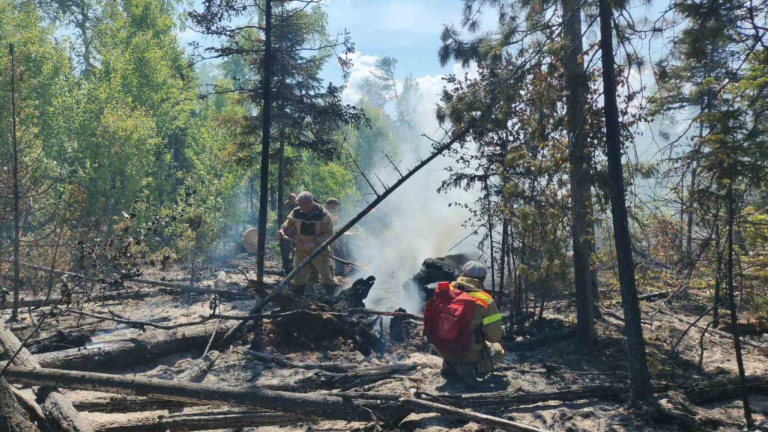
(408, 30)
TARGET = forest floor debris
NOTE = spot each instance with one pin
(534, 385)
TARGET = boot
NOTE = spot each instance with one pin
(468, 374)
(331, 290)
(448, 370)
(300, 290)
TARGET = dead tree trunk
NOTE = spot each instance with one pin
(16, 197)
(314, 405)
(734, 315)
(640, 378)
(285, 248)
(265, 136)
(242, 328)
(56, 407)
(576, 83)
(124, 354)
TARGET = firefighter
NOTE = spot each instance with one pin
(484, 351)
(313, 225)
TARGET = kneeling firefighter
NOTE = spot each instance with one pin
(463, 324)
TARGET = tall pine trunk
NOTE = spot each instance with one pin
(718, 274)
(284, 247)
(503, 263)
(490, 240)
(16, 196)
(639, 377)
(575, 83)
(689, 222)
(734, 315)
(266, 127)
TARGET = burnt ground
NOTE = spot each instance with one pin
(549, 367)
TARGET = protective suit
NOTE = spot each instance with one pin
(311, 230)
(484, 351)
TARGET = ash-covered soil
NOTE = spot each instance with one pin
(527, 369)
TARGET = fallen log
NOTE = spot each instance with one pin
(314, 405)
(59, 341)
(130, 404)
(495, 422)
(132, 352)
(27, 401)
(724, 389)
(654, 296)
(539, 341)
(55, 406)
(282, 362)
(722, 334)
(344, 381)
(13, 418)
(199, 368)
(124, 404)
(136, 294)
(201, 421)
(171, 288)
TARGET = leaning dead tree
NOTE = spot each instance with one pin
(241, 329)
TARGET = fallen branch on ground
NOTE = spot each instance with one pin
(391, 314)
(495, 422)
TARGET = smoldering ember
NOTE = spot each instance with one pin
(390, 215)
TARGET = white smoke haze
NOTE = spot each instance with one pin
(417, 222)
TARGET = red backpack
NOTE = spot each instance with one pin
(447, 317)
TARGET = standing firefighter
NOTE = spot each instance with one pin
(312, 225)
(463, 323)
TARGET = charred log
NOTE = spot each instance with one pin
(354, 296)
(321, 380)
(12, 417)
(54, 405)
(132, 352)
(201, 421)
(59, 341)
(199, 368)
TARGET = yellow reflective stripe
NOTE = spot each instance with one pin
(492, 318)
(481, 295)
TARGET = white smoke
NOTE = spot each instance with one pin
(415, 222)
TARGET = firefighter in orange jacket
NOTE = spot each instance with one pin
(484, 351)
